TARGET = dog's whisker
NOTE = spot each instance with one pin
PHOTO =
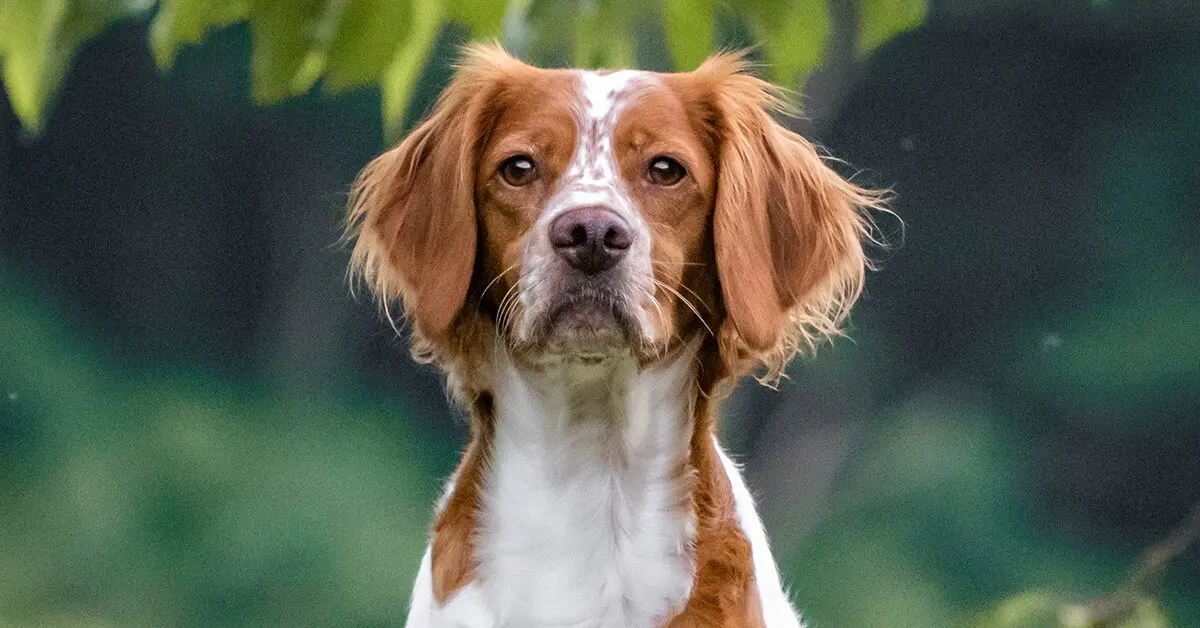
(673, 264)
(688, 304)
(498, 277)
(507, 303)
(662, 317)
(698, 297)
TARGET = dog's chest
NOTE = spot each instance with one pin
(599, 549)
(588, 522)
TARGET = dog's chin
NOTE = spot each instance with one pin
(583, 330)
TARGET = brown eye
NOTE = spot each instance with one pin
(519, 170)
(664, 171)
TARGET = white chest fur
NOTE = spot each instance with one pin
(586, 519)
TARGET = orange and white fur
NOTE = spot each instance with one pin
(593, 258)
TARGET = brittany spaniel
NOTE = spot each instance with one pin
(593, 258)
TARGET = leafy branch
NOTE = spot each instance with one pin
(1125, 605)
(1133, 604)
(338, 45)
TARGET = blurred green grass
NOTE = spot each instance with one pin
(177, 498)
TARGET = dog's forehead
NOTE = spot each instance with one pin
(603, 97)
(606, 93)
(590, 103)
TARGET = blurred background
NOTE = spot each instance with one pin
(200, 426)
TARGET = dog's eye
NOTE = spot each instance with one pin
(664, 171)
(519, 170)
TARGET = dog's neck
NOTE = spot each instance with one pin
(595, 494)
(587, 512)
(610, 412)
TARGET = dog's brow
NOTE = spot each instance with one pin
(604, 96)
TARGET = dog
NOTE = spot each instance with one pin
(593, 258)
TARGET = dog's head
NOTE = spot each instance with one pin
(584, 215)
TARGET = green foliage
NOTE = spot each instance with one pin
(1115, 350)
(172, 499)
(880, 20)
(131, 498)
(1041, 609)
(183, 22)
(1146, 613)
(1131, 345)
(602, 34)
(1032, 609)
(38, 39)
(794, 34)
(928, 519)
(401, 73)
(289, 40)
(928, 485)
(483, 17)
(689, 25)
(355, 57)
(343, 44)
(937, 519)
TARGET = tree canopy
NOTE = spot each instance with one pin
(337, 45)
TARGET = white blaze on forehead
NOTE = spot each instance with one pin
(593, 175)
(603, 98)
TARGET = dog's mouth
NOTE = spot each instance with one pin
(586, 324)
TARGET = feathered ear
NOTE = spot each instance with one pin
(412, 210)
(787, 229)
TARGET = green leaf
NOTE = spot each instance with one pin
(689, 25)
(401, 74)
(603, 35)
(880, 20)
(38, 41)
(286, 52)
(546, 34)
(587, 44)
(182, 22)
(1145, 613)
(794, 33)
(1039, 609)
(366, 41)
(483, 17)
(32, 70)
(1031, 609)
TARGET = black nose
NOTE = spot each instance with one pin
(592, 239)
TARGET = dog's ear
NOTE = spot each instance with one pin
(788, 231)
(412, 210)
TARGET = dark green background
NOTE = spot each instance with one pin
(199, 426)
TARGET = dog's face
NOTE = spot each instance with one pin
(594, 195)
(588, 215)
